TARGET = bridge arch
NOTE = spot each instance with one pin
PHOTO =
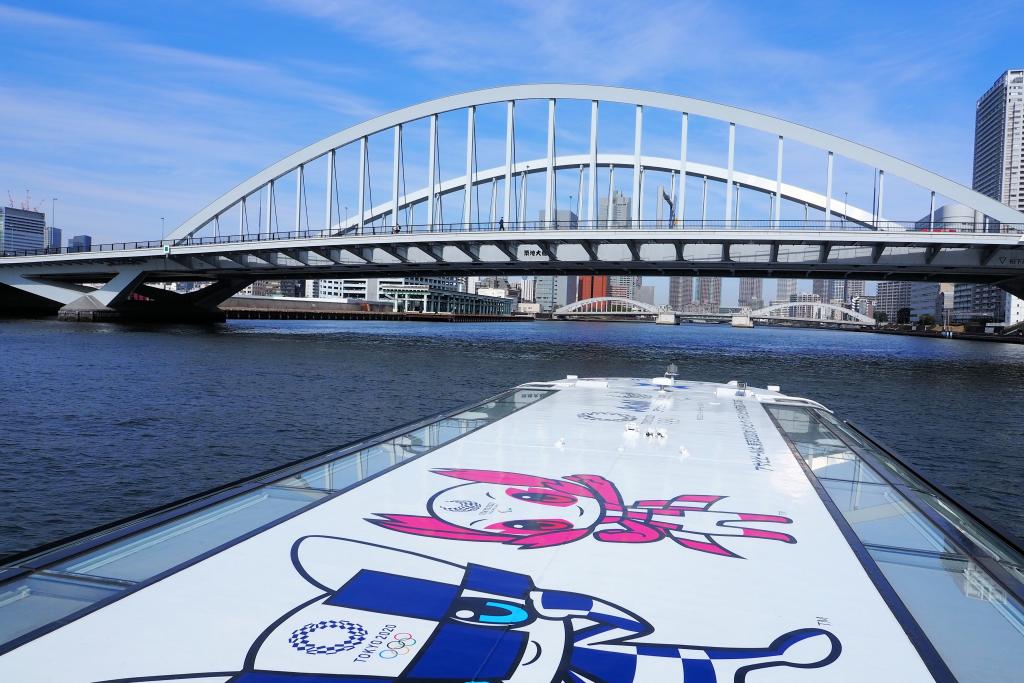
(685, 106)
(817, 306)
(610, 304)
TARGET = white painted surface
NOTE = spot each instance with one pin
(207, 617)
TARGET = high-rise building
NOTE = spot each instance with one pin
(21, 229)
(680, 292)
(784, 288)
(564, 217)
(751, 292)
(591, 287)
(832, 291)
(998, 173)
(52, 238)
(554, 291)
(709, 294)
(80, 243)
(529, 288)
(645, 294)
(891, 298)
(622, 208)
(624, 286)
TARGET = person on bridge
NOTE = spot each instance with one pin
(501, 223)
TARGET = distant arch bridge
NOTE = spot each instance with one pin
(607, 306)
(589, 211)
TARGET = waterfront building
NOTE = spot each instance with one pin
(892, 297)
(554, 291)
(680, 292)
(709, 294)
(622, 211)
(998, 173)
(21, 229)
(785, 288)
(751, 292)
(293, 288)
(865, 305)
(925, 299)
(80, 243)
(370, 288)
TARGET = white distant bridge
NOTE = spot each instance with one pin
(622, 307)
(442, 226)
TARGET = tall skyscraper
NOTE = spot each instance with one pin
(622, 207)
(998, 173)
(784, 288)
(21, 229)
(751, 292)
(709, 293)
(892, 296)
(680, 292)
(554, 291)
(529, 288)
(623, 285)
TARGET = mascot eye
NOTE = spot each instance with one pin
(491, 612)
(525, 526)
(541, 496)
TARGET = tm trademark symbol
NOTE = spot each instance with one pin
(823, 621)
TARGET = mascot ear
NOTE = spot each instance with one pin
(329, 562)
(435, 528)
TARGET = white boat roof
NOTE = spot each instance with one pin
(583, 530)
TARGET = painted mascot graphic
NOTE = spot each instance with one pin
(530, 511)
(382, 614)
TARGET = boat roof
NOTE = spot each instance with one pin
(583, 530)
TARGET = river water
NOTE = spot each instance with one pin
(98, 422)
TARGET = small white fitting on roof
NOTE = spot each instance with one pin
(663, 381)
(774, 387)
(572, 376)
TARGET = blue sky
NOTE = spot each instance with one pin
(129, 112)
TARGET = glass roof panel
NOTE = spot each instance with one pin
(962, 612)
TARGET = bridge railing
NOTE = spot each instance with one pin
(673, 226)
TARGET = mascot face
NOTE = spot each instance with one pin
(458, 624)
(500, 508)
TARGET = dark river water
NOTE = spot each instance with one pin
(98, 422)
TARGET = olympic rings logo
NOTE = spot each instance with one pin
(399, 645)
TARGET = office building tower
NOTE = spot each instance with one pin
(624, 286)
(709, 294)
(891, 298)
(998, 173)
(622, 208)
(554, 291)
(751, 292)
(21, 229)
(784, 288)
(529, 288)
(565, 218)
(80, 243)
(680, 292)
(52, 239)
(645, 294)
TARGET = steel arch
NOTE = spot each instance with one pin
(677, 103)
(578, 306)
(818, 306)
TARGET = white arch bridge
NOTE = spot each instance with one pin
(510, 196)
(796, 311)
